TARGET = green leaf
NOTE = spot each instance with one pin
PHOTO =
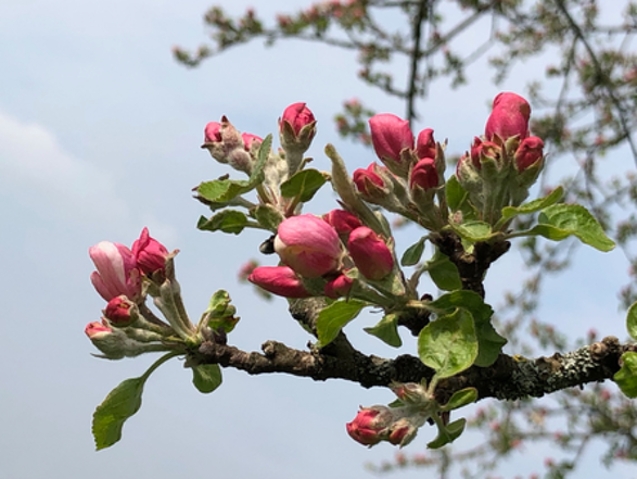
(560, 221)
(449, 434)
(455, 193)
(120, 404)
(334, 317)
(449, 344)
(262, 158)
(206, 377)
(223, 191)
(412, 255)
(509, 212)
(303, 185)
(228, 221)
(387, 330)
(626, 377)
(468, 300)
(490, 343)
(268, 217)
(473, 231)
(461, 398)
(631, 321)
(443, 272)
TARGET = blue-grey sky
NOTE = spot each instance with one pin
(99, 136)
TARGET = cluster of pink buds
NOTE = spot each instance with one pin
(319, 255)
(381, 423)
(412, 173)
(227, 145)
(123, 277)
(506, 161)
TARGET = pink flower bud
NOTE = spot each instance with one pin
(402, 432)
(529, 152)
(371, 255)
(149, 253)
(369, 427)
(279, 280)
(424, 175)
(484, 149)
(120, 311)
(342, 221)
(390, 136)
(369, 182)
(425, 144)
(249, 139)
(117, 271)
(97, 329)
(510, 117)
(308, 245)
(212, 132)
(338, 287)
(298, 115)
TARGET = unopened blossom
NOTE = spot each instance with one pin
(212, 132)
(425, 144)
(370, 426)
(280, 280)
(370, 254)
(424, 175)
(117, 271)
(369, 182)
(509, 117)
(401, 432)
(390, 136)
(338, 287)
(484, 149)
(529, 152)
(150, 255)
(121, 311)
(298, 116)
(342, 221)
(97, 329)
(308, 245)
(249, 139)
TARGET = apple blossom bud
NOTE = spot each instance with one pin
(485, 149)
(424, 175)
(369, 182)
(342, 221)
(149, 253)
(298, 116)
(402, 432)
(425, 144)
(121, 311)
(117, 271)
(529, 152)
(297, 127)
(338, 287)
(115, 344)
(249, 140)
(371, 255)
(510, 117)
(390, 136)
(308, 245)
(97, 329)
(370, 425)
(212, 132)
(280, 280)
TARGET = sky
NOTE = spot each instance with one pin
(99, 136)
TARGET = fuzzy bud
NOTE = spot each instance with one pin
(391, 136)
(370, 254)
(509, 117)
(279, 280)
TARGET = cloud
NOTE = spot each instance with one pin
(37, 171)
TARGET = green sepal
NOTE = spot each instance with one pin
(412, 255)
(449, 344)
(303, 185)
(450, 433)
(220, 315)
(443, 272)
(206, 377)
(560, 221)
(387, 330)
(120, 404)
(461, 398)
(631, 321)
(228, 221)
(626, 377)
(268, 217)
(334, 317)
(509, 212)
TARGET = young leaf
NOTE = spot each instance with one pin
(223, 191)
(443, 272)
(303, 185)
(560, 221)
(631, 321)
(268, 217)
(334, 317)
(461, 398)
(262, 158)
(206, 377)
(473, 231)
(490, 343)
(468, 300)
(387, 330)
(412, 255)
(509, 212)
(120, 404)
(228, 221)
(626, 377)
(449, 434)
(449, 344)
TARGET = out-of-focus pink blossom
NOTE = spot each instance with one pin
(390, 135)
(117, 271)
(149, 253)
(529, 152)
(371, 255)
(308, 245)
(510, 117)
(280, 280)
